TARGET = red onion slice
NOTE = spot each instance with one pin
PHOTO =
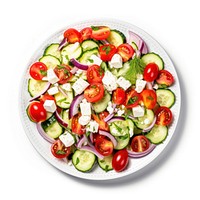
(42, 92)
(107, 134)
(78, 64)
(81, 142)
(43, 134)
(73, 109)
(110, 116)
(91, 137)
(60, 120)
(63, 43)
(151, 126)
(145, 49)
(116, 119)
(149, 85)
(133, 154)
(92, 150)
(62, 91)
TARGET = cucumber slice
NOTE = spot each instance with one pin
(104, 66)
(145, 121)
(116, 38)
(83, 160)
(63, 101)
(50, 61)
(153, 58)
(119, 128)
(123, 70)
(157, 134)
(35, 87)
(53, 50)
(88, 45)
(106, 163)
(87, 54)
(52, 127)
(101, 105)
(122, 141)
(165, 97)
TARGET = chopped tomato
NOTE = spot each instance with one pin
(63, 73)
(151, 72)
(100, 32)
(119, 96)
(107, 51)
(76, 126)
(38, 70)
(45, 97)
(132, 98)
(149, 98)
(165, 78)
(94, 92)
(99, 118)
(104, 146)
(73, 35)
(95, 74)
(163, 116)
(59, 150)
(86, 33)
(126, 51)
(96, 136)
(140, 143)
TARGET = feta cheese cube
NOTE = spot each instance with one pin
(140, 85)
(52, 91)
(80, 85)
(92, 126)
(116, 61)
(131, 133)
(85, 108)
(139, 76)
(123, 83)
(110, 108)
(51, 76)
(95, 60)
(138, 111)
(84, 119)
(67, 139)
(120, 112)
(50, 106)
(155, 86)
(67, 87)
(109, 81)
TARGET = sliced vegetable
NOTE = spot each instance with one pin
(165, 97)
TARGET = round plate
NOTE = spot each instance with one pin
(97, 173)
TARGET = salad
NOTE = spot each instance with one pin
(100, 98)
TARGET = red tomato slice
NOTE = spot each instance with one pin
(97, 136)
(76, 127)
(86, 33)
(107, 51)
(100, 32)
(36, 111)
(45, 97)
(95, 74)
(165, 78)
(63, 73)
(140, 143)
(149, 98)
(119, 96)
(164, 116)
(132, 98)
(94, 92)
(120, 160)
(99, 118)
(126, 51)
(73, 35)
(38, 70)
(104, 146)
(151, 72)
(59, 150)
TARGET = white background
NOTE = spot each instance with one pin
(24, 174)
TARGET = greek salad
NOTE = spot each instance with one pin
(100, 98)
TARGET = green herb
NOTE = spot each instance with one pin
(136, 66)
(66, 102)
(117, 127)
(123, 137)
(60, 67)
(132, 100)
(107, 49)
(87, 133)
(102, 161)
(77, 161)
(60, 152)
(90, 60)
(43, 72)
(61, 100)
(106, 168)
(150, 98)
(67, 57)
(95, 28)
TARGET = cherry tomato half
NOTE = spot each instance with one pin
(164, 116)
(100, 32)
(132, 98)
(119, 96)
(151, 72)
(107, 51)
(104, 146)
(73, 35)
(36, 111)
(95, 74)
(99, 118)
(86, 33)
(149, 98)
(120, 160)
(76, 126)
(140, 143)
(94, 92)
(165, 78)
(59, 150)
(38, 70)
(126, 51)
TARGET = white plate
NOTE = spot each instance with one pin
(43, 147)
